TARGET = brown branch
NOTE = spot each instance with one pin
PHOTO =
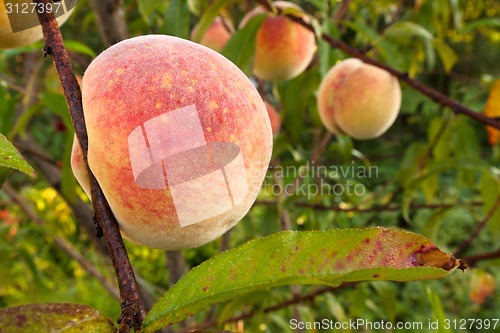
(337, 208)
(467, 243)
(433, 94)
(132, 306)
(61, 243)
(472, 260)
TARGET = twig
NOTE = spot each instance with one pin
(467, 243)
(132, 306)
(61, 243)
(337, 208)
(472, 260)
(433, 94)
(295, 300)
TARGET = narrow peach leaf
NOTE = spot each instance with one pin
(307, 257)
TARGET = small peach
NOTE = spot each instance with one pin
(284, 48)
(358, 99)
(216, 35)
(274, 117)
(482, 285)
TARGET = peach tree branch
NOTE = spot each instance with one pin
(433, 94)
(132, 306)
(480, 226)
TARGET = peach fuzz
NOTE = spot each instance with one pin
(216, 36)
(179, 140)
(10, 39)
(274, 117)
(283, 48)
(358, 99)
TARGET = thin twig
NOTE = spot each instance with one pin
(337, 208)
(433, 94)
(467, 243)
(132, 306)
(472, 260)
(294, 300)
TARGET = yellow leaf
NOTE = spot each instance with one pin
(492, 110)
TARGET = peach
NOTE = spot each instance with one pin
(482, 285)
(284, 48)
(179, 140)
(274, 117)
(358, 99)
(19, 25)
(216, 35)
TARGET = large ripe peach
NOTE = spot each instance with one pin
(283, 48)
(179, 140)
(216, 35)
(358, 99)
(19, 25)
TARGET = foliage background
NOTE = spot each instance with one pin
(437, 174)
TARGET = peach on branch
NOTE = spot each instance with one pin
(284, 48)
(19, 25)
(358, 99)
(274, 117)
(179, 140)
(216, 35)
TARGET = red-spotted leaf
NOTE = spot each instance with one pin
(309, 257)
(52, 318)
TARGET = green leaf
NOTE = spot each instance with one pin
(240, 49)
(437, 310)
(75, 46)
(4, 173)
(490, 22)
(10, 158)
(54, 317)
(309, 257)
(22, 122)
(177, 19)
(57, 104)
(490, 185)
(147, 9)
(208, 17)
(448, 57)
(295, 95)
(406, 30)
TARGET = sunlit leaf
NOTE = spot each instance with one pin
(54, 317)
(314, 258)
(438, 313)
(448, 57)
(75, 46)
(10, 158)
